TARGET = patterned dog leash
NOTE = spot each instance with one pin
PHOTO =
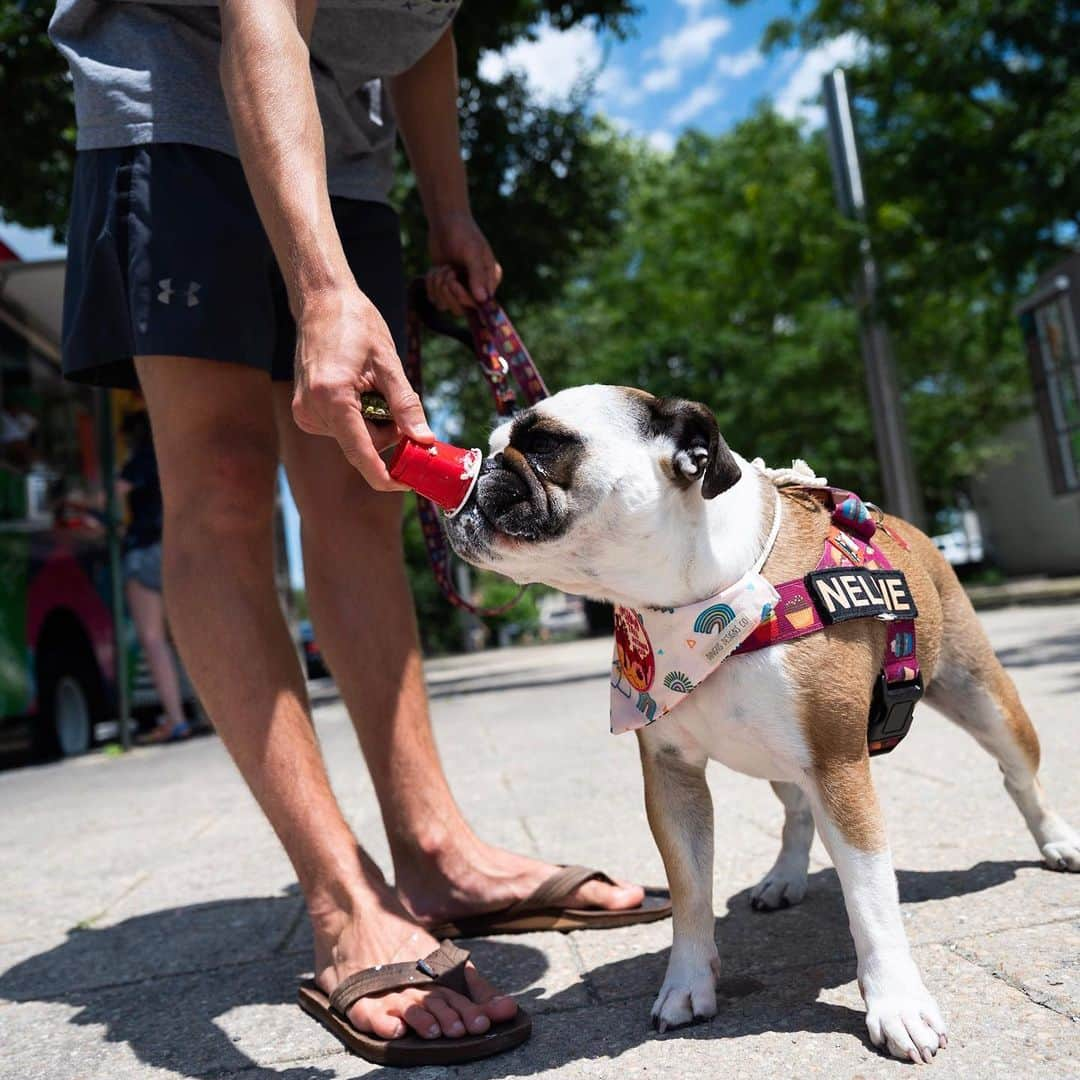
(501, 354)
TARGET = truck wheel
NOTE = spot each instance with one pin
(69, 689)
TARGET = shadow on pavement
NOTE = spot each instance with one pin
(1055, 649)
(162, 982)
(325, 692)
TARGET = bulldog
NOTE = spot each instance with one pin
(614, 494)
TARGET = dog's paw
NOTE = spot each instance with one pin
(1063, 854)
(688, 994)
(781, 887)
(909, 1025)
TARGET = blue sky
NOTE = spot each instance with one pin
(688, 63)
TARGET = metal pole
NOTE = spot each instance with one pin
(112, 540)
(468, 622)
(902, 492)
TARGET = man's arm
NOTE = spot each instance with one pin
(425, 104)
(343, 344)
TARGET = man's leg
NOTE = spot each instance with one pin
(217, 454)
(148, 613)
(362, 610)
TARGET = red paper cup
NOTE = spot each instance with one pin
(443, 473)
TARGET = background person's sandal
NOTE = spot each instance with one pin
(543, 910)
(444, 967)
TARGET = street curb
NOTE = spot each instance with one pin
(1043, 591)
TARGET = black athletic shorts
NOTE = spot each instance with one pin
(167, 256)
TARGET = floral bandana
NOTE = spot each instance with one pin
(662, 654)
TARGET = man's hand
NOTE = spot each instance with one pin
(457, 246)
(344, 349)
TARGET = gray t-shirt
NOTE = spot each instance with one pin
(149, 73)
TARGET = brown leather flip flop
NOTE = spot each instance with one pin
(542, 911)
(444, 967)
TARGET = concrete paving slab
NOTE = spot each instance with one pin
(165, 854)
(786, 1026)
(1041, 961)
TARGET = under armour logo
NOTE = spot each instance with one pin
(168, 292)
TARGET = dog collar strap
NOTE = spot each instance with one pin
(662, 654)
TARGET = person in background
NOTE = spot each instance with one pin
(138, 483)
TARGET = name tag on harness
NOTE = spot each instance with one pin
(856, 593)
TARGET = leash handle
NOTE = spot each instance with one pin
(501, 353)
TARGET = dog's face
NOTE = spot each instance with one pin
(579, 486)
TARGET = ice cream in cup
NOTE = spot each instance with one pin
(440, 472)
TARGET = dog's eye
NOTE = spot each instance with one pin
(540, 442)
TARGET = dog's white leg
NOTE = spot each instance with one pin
(900, 1013)
(972, 689)
(785, 883)
(681, 817)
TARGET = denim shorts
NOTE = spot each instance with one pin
(143, 564)
(167, 257)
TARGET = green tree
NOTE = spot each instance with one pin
(969, 118)
(730, 284)
(37, 118)
(968, 114)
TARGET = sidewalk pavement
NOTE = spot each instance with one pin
(150, 926)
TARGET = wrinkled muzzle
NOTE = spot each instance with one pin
(512, 497)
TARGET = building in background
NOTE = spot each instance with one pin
(1029, 505)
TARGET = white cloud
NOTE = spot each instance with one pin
(661, 78)
(693, 7)
(805, 80)
(614, 84)
(737, 65)
(698, 101)
(661, 141)
(692, 43)
(552, 64)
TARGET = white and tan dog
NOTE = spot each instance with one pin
(614, 494)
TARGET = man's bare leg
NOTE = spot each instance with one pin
(148, 613)
(217, 453)
(353, 567)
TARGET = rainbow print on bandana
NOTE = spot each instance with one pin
(668, 662)
(677, 681)
(716, 617)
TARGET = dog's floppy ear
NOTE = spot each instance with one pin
(700, 450)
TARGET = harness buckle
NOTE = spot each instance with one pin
(891, 710)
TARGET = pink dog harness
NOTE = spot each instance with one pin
(662, 655)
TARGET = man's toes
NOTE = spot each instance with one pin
(379, 1016)
(474, 1016)
(448, 1017)
(599, 894)
(421, 1019)
(497, 1007)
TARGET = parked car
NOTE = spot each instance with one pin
(314, 664)
(561, 614)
